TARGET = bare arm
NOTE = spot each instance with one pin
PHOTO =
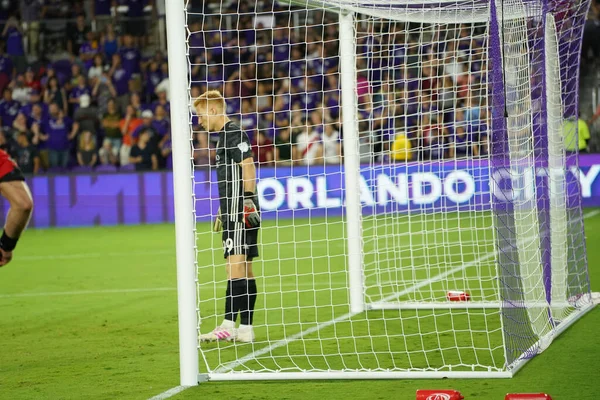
(249, 174)
(154, 162)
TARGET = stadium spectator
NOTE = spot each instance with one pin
(60, 131)
(110, 124)
(7, 143)
(20, 125)
(166, 152)
(88, 50)
(48, 73)
(202, 151)
(400, 150)
(128, 125)
(577, 134)
(162, 101)
(20, 92)
(283, 145)
(101, 15)
(26, 155)
(13, 37)
(262, 148)
(31, 80)
(86, 115)
(163, 86)
(107, 155)
(96, 70)
(130, 56)
(147, 126)
(77, 35)
(332, 145)
(9, 109)
(76, 73)
(103, 91)
(86, 150)
(34, 99)
(37, 116)
(7, 69)
(109, 42)
(31, 13)
(56, 94)
(161, 123)
(152, 78)
(79, 90)
(120, 77)
(462, 144)
(142, 155)
(134, 23)
(308, 149)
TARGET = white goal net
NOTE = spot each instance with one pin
(420, 216)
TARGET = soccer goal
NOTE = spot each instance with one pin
(420, 215)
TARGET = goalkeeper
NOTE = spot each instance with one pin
(238, 216)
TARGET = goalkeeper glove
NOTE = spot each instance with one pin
(218, 224)
(251, 214)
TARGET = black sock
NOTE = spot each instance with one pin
(251, 299)
(239, 294)
(229, 313)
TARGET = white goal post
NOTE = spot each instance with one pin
(427, 222)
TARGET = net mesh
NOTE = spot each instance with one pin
(457, 197)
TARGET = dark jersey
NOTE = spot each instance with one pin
(233, 147)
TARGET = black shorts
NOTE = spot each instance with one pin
(12, 176)
(238, 240)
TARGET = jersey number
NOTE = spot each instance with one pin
(228, 245)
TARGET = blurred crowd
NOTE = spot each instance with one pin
(422, 93)
(77, 91)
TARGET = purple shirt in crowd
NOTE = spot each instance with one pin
(9, 111)
(153, 78)
(6, 65)
(130, 59)
(162, 127)
(87, 49)
(14, 42)
(136, 8)
(102, 7)
(120, 80)
(166, 106)
(234, 105)
(77, 92)
(281, 50)
(27, 109)
(58, 131)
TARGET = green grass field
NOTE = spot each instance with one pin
(92, 313)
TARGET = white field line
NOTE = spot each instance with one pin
(241, 361)
(169, 393)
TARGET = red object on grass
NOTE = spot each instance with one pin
(527, 396)
(457, 295)
(439, 395)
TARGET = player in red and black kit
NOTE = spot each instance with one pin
(14, 189)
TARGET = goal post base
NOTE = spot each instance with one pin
(339, 375)
(559, 329)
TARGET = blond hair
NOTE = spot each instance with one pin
(213, 97)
